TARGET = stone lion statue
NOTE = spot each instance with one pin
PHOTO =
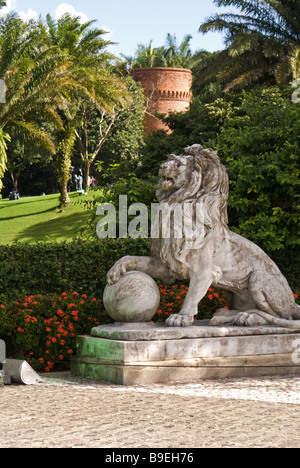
(256, 291)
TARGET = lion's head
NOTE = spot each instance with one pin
(197, 174)
(196, 177)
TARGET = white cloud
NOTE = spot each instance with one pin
(67, 8)
(31, 14)
(10, 6)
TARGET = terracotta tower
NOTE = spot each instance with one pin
(167, 90)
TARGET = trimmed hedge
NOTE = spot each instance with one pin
(53, 268)
(82, 265)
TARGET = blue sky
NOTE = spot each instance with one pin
(131, 22)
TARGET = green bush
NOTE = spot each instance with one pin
(42, 329)
(52, 268)
(172, 299)
(51, 293)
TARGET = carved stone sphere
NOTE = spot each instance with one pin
(135, 298)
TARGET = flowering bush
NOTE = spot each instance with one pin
(172, 298)
(42, 329)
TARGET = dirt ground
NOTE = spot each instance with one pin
(65, 412)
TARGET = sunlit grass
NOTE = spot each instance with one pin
(39, 219)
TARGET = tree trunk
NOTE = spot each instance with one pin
(64, 195)
(15, 180)
(63, 179)
(86, 175)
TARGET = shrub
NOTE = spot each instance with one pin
(172, 298)
(51, 268)
(42, 329)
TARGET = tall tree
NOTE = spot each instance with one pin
(96, 84)
(118, 135)
(263, 40)
(37, 82)
(171, 54)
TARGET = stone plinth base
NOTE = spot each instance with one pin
(136, 354)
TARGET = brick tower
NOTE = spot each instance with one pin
(167, 90)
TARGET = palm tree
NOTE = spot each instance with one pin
(37, 82)
(4, 137)
(171, 55)
(263, 40)
(96, 84)
(178, 56)
(147, 56)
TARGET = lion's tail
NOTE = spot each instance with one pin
(284, 323)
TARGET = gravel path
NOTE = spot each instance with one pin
(65, 412)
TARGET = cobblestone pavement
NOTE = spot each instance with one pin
(65, 412)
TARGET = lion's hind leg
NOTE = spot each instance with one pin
(272, 295)
(250, 318)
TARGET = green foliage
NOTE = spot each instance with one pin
(42, 329)
(172, 299)
(260, 148)
(95, 85)
(257, 136)
(124, 143)
(262, 42)
(201, 124)
(79, 266)
(136, 190)
(171, 54)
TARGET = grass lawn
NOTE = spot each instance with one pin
(38, 219)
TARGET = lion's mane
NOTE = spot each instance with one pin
(207, 182)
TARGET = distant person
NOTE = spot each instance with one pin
(80, 182)
(93, 181)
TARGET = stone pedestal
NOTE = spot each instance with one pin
(136, 354)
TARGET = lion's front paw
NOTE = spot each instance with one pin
(179, 321)
(115, 273)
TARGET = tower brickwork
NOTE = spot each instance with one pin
(166, 90)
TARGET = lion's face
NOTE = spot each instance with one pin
(174, 174)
